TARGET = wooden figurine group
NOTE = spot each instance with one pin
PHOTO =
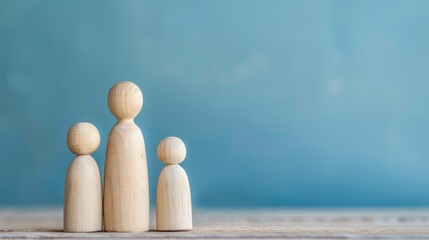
(125, 204)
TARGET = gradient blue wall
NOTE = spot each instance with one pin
(280, 103)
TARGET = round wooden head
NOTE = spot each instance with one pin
(171, 150)
(83, 138)
(125, 100)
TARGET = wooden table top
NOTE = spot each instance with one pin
(240, 224)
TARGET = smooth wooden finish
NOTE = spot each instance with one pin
(126, 188)
(171, 150)
(173, 194)
(241, 224)
(83, 138)
(82, 194)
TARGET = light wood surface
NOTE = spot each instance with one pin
(241, 224)
(82, 192)
(126, 188)
(173, 200)
(171, 150)
(173, 194)
(83, 138)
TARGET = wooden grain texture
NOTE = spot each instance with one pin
(126, 187)
(171, 150)
(83, 138)
(173, 200)
(240, 224)
(173, 194)
(83, 210)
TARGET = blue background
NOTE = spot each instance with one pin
(280, 103)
